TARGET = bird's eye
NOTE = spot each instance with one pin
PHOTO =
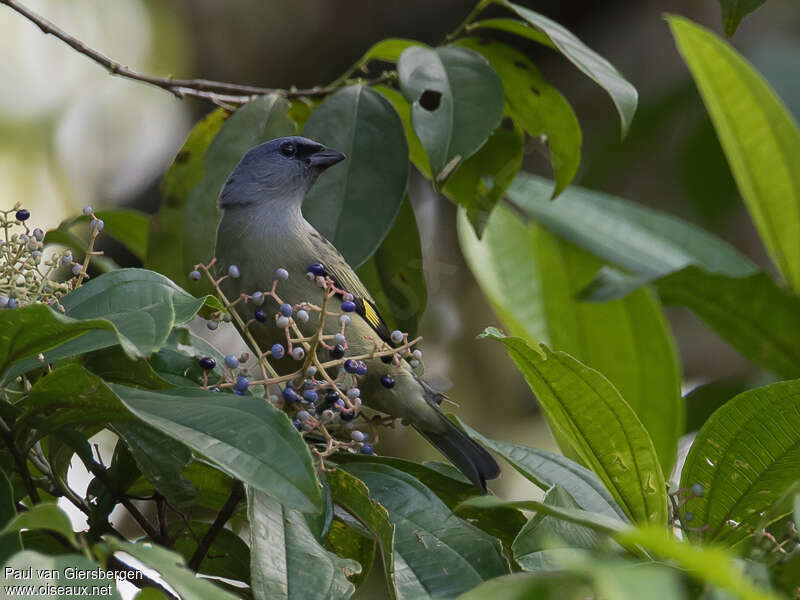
(288, 149)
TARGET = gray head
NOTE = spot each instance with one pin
(281, 170)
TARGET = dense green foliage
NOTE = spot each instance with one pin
(237, 492)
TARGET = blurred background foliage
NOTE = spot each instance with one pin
(71, 135)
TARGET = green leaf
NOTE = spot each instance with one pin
(745, 457)
(531, 279)
(536, 105)
(172, 569)
(394, 275)
(515, 26)
(759, 136)
(624, 233)
(355, 204)
(480, 181)
(733, 11)
(112, 365)
(457, 101)
(352, 495)
(416, 153)
(288, 562)
(758, 318)
(527, 586)
(350, 544)
(598, 423)
(595, 521)
(502, 523)
(246, 437)
(708, 563)
(28, 568)
(34, 329)
(435, 552)
(183, 233)
(594, 66)
(9, 543)
(228, 556)
(43, 516)
(546, 469)
(388, 50)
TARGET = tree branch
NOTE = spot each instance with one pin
(218, 92)
(237, 493)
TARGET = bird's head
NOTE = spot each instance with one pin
(281, 170)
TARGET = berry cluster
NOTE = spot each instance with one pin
(321, 395)
(26, 276)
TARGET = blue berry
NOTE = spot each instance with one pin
(3, 301)
(23, 214)
(340, 403)
(361, 369)
(277, 351)
(207, 363)
(344, 320)
(317, 270)
(339, 339)
(98, 224)
(357, 435)
(347, 416)
(212, 325)
(282, 274)
(290, 395)
(286, 310)
(396, 336)
(76, 270)
(258, 298)
(348, 306)
(231, 361)
(367, 449)
(233, 271)
(195, 275)
(87, 210)
(12, 303)
(331, 396)
(337, 351)
(241, 384)
(38, 234)
(282, 322)
(697, 490)
(298, 424)
(301, 316)
(353, 393)
(260, 316)
(350, 365)
(387, 381)
(310, 396)
(298, 353)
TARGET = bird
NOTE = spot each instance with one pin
(262, 229)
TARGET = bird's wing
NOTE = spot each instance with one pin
(346, 279)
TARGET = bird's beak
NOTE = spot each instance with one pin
(326, 158)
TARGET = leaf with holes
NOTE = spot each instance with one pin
(457, 101)
(537, 106)
(355, 204)
(745, 457)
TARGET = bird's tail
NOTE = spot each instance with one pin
(460, 449)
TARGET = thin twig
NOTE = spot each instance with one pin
(217, 92)
(237, 493)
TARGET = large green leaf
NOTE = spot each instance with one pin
(46, 516)
(352, 495)
(228, 556)
(41, 574)
(354, 205)
(287, 561)
(538, 106)
(184, 231)
(583, 406)
(529, 586)
(758, 318)
(457, 101)
(640, 239)
(435, 552)
(544, 532)
(758, 134)
(394, 276)
(172, 568)
(531, 279)
(416, 153)
(546, 469)
(31, 330)
(708, 564)
(479, 183)
(246, 437)
(622, 93)
(745, 457)
(733, 11)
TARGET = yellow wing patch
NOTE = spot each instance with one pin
(371, 316)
